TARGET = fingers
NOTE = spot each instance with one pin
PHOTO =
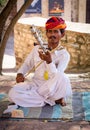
(41, 55)
(48, 53)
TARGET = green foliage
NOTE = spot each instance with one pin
(3, 2)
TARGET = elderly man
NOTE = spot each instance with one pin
(49, 85)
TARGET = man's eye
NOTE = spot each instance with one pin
(55, 31)
(52, 31)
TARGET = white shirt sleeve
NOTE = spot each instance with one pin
(63, 60)
(28, 64)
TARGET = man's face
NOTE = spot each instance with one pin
(53, 37)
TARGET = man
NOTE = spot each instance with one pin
(49, 84)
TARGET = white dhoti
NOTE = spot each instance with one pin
(37, 93)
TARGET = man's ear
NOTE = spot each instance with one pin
(62, 35)
(62, 32)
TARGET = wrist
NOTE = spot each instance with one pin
(48, 62)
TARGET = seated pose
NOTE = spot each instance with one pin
(49, 85)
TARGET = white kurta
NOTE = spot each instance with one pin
(40, 91)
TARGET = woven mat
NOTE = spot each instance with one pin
(78, 108)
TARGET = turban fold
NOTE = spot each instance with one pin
(55, 23)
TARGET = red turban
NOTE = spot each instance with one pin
(55, 23)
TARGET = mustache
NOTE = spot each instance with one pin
(52, 37)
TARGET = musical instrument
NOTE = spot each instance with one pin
(38, 37)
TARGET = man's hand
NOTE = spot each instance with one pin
(45, 56)
(20, 78)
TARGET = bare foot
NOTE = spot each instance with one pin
(61, 102)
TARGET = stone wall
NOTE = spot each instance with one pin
(77, 43)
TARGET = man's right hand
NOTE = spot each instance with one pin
(20, 78)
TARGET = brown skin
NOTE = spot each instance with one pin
(20, 78)
(54, 37)
(53, 40)
(61, 101)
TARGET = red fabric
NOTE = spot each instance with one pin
(55, 23)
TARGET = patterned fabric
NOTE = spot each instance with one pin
(55, 23)
(78, 108)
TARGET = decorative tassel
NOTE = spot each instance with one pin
(46, 75)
